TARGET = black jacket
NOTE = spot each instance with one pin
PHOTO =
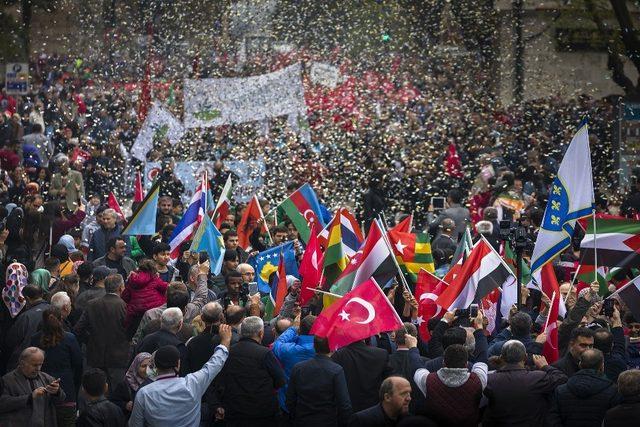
(249, 380)
(317, 394)
(518, 397)
(19, 336)
(567, 364)
(101, 413)
(365, 368)
(624, 414)
(160, 338)
(583, 400)
(101, 326)
(372, 417)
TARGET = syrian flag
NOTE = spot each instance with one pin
(617, 242)
(374, 259)
(482, 272)
(428, 289)
(363, 312)
(550, 348)
(630, 294)
(224, 203)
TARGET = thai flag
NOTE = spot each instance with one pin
(191, 219)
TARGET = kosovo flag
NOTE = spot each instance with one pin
(266, 263)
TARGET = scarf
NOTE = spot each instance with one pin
(131, 377)
(41, 277)
(16, 280)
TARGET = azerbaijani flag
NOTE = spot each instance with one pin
(303, 208)
(413, 252)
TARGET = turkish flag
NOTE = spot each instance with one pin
(428, 289)
(311, 267)
(113, 204)
(138, 191)
(363, 312)
(550, 347)
(453, 165)
(249, 222)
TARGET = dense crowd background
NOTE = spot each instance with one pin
(395, 133)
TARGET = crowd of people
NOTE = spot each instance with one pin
(101, 328)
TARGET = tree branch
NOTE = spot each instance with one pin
(629, 37)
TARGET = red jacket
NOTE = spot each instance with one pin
(143, 292)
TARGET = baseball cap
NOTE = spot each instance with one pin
(101, 273)
(166, 357)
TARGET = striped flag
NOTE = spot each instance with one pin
(303, 209)
(617, 242)
(143, 220)
(630, 294)
(374, 259)
(413, 253)
(224, 204)
(341, 242)
(482, 272)
(278, 291)
(191, 219)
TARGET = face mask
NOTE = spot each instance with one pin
(151, 372)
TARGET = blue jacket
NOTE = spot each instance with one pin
(505, 335)
(291, 348)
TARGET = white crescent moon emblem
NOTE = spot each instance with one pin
(432, 297)
(309, 218)
(367, 305)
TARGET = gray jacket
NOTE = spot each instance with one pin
(460, 215)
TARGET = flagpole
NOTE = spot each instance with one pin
(573, 279)
(265, 220)
(595, 247)
(325, 292)
(393, 255)
(546, 323)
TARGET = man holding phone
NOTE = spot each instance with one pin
(30, 395)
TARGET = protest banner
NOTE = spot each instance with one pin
(216, 102)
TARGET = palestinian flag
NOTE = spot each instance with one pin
(587, 275)
(630, 294)
(617, 242)
(374, 259)
(413, 252)
(224, 204)
(460, 255)
(303, 209)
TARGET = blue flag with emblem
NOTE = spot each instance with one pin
(207, 238)
(266, 263)
(570, 198)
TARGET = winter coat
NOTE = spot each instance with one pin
(624, 414)
(583, 400)
(144, 291)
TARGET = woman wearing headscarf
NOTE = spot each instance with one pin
(14, 302)
(125, 392)
(42, 278)
(67, 241)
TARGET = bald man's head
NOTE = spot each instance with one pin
(395, 396)
(212, 312)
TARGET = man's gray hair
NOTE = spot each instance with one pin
(251, 327)
(470, 342)
(112, 283)
(28, 352)
(60, 300)
(110, 212)
(194, 270)
(513, 351)
(211, 312)
(244, 266)
(171, 319)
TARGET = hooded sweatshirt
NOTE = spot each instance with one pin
(143, 291)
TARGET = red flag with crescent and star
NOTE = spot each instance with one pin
(428, 289)
(363, 312)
